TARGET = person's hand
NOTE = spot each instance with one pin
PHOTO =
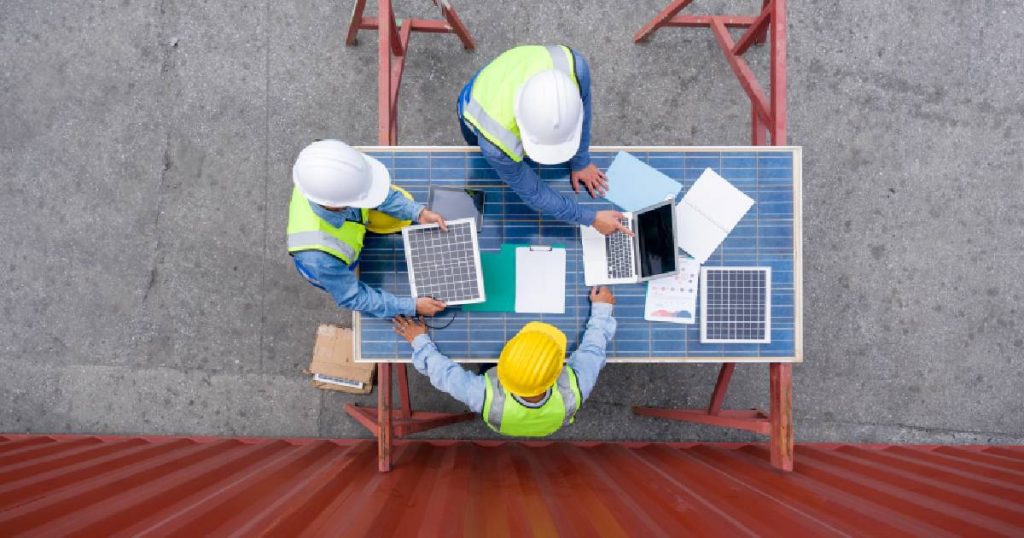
(429, 217)
(409, 328)
(592, 178)
(601, 294)
(428, 306)
(607, 222)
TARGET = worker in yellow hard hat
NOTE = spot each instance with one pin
(534, 390)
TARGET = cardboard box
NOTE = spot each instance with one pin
(332, 367)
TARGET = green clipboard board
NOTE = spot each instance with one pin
(499, 269)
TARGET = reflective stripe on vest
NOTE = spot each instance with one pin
(308, 240)
(491, 102)
(307, 231)
(505, 415)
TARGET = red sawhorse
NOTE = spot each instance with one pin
(768, 122)
(392, 47)
(383, 425)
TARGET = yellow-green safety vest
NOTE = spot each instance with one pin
(307, 231)
(505, 415)
(492, 100)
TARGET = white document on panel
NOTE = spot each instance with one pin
(540, 280)
(707, 213)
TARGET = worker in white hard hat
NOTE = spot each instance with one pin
(534, 101)
(335, 189)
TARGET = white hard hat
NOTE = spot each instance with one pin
(330, 173)
(549, 111)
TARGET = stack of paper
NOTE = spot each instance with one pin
(633, 184)
(709, 211)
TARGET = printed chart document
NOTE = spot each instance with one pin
(674, 298)
(634, 184)
(707, 213)
(540, 280)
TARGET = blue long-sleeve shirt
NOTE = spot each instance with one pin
(334, 276)
(468, 388)
(524, 180)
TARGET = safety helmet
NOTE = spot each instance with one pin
(549, 112)
(330, 173)
(532, 360)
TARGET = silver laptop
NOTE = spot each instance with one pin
(621, 259)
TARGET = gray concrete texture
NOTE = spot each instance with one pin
(145, 150)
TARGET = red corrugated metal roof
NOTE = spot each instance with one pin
(65, 485)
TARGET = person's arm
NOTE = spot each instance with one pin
(444, 374)
(537, 194)
(346, 290)
(582, 169)
(400, 207)
(582, 158)
(591, 356)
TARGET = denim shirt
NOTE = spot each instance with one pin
(468, 388)
(335, 277)
(522, 178)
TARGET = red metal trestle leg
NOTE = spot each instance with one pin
(393, 48)
(767, 127)
(392, 51)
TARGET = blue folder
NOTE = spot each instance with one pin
(634, 184)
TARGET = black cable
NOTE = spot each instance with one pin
(455, 312)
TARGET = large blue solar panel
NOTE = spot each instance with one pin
(765, 237)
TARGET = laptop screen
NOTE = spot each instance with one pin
(657, 241)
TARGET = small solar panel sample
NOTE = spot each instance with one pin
(444, 265)
(735, 305)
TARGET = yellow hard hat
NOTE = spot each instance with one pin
(532, 360)
(382, 223)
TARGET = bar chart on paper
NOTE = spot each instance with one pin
(768, 235)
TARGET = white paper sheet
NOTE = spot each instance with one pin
(707, 213)
(674, 298)
(540, 280)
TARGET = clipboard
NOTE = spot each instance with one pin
(540, 280)
(499, 268)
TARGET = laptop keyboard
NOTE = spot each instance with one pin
(619, 249)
